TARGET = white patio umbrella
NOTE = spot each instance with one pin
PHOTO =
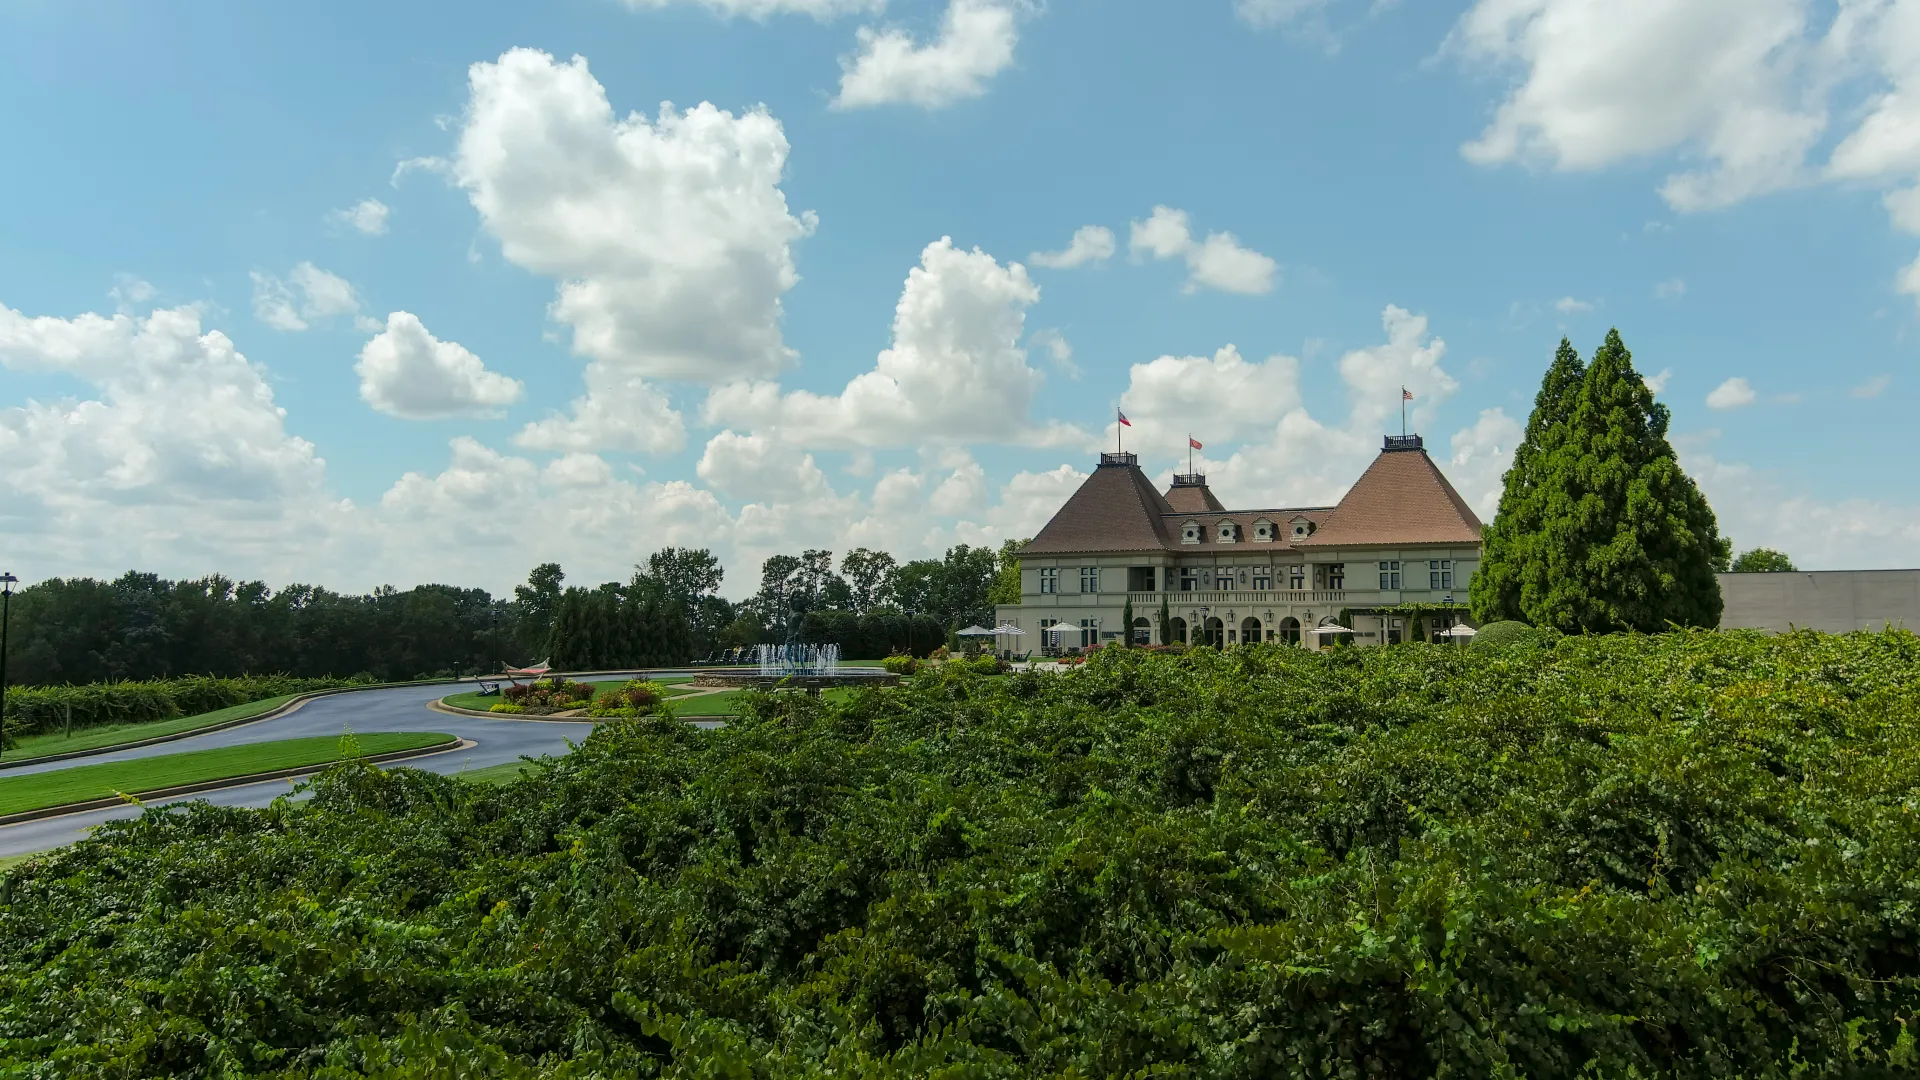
(1008, 628)
(1460, 631)
(1336, 628)
(976, 630)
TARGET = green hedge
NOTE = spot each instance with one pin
(1686, 855)
(44, 708)
(1506, 632)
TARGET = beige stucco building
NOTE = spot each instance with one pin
(1401, 536)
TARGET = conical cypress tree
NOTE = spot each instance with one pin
(1625, 541)
(1507, 560)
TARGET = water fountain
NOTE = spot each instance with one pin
(783, 660)
(797, 667)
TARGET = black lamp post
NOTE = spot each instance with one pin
(495, 650)
(7, 582)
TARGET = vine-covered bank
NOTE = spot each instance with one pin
(1685, 855)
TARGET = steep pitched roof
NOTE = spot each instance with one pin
(1116, 509)
(1187, 496)
(1402, 498)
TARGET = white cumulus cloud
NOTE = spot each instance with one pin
(761, 9)
(955, 372)
(670, 237)
(1218, 262)
(1732, 82)
(368, 217)
(756, 467)
(976, 42)
(306, 295)
(1735, 393)
(407, 372)
(618, 412)
(1217, 398)
(1090, 243)
(179, 447)
(1568, 305)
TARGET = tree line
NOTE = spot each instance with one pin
(141, 626)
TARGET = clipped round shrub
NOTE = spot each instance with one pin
(503, 707)
(1507, 632)
(900, 665)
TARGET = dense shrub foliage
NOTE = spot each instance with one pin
(45, 708)
(1687, 855)
(557, 692)
(635, 697)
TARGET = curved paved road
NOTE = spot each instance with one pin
(395, 709)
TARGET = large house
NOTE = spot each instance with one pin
(1395, 553)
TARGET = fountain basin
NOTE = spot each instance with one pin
(811, 682)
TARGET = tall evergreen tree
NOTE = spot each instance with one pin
(1624, 539)
(1509, 566)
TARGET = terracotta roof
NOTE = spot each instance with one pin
(1188, 497)
(1402, 498)
(1116, 509)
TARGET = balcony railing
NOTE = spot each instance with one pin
(1143, 600)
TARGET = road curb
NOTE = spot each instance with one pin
(178, 790)
(291, 705)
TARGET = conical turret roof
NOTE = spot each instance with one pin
(1402, 498)
(1116, 509)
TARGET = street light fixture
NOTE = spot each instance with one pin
(7, 582)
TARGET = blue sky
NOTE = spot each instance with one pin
(496, 307)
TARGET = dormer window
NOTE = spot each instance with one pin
(1229, 532)
(1193, 533)
(1302, 528)
(1262, 532)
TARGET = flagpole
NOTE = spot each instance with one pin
(1403, 412)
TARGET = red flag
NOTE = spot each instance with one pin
(1124, 420)
(1193, 442)
(1406, 394)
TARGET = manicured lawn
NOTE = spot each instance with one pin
(85, 782)
(114, 734)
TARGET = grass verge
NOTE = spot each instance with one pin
(38, 791)
(93, 738)
(504, 773)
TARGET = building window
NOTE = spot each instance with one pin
(1192, 534)
(1297, 576)
(1263, 531)
(1189, 579)
(1089, 579)
(1224, 580)
(1389, 576)
(1050, 579)
(1229, 532)
(1089, 633)
(1139, 579)
(1440, 574)
(1336, 576)
(1263, 578)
